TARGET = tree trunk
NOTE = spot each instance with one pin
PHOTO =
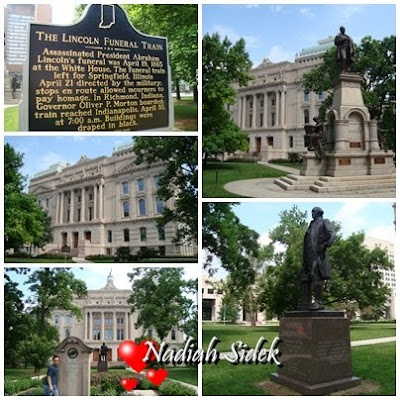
(252, 313)
(195, 94)
(178, 91)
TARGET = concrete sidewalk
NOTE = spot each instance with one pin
(79, 260)
(289, 170)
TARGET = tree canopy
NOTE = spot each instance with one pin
(25, 222)
(159, 296)
(178, 179)
(223, 64)
(355, 275)
(376, 62)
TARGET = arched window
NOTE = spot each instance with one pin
(306, 116)
(306, 97)
(140, 183)
(125, 188)
(173, 334)
(143, 234)
(142, 207)
(125, 206)
(161, 233)
(159, 206)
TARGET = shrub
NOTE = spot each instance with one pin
(33, 392)
(170, 388)
(123, 254)
(99, 257)
(54, 256)
(16, 386)
(295, 158)
(147, 253)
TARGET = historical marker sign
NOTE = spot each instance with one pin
(98, 75)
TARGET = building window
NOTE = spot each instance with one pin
(79, 199)
(96, 334)
(79, 214)
(161, 233)
(90, 196)
(306, 97)
(321, 96)
(47, 202)
(56, 319)
(109, 236)
(261, 102)
(306, 116)
(290, 141)
(273, 119)
(270, 141)
(125, 188)
(125, 207)
(90, 213)
(39, 203)
(142, 207)
(140, 184)
(173, 334)
(210, 291)
(273, 102)
(150, 333)
(108, 334)
(143, 234)
(120, 320)
(120, 334)
(68, 319)
(159, 206)
(126, 235)
(156, 181)
(67, 215)
(67, 333)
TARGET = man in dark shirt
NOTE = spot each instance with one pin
(50, 387)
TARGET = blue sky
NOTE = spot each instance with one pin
(42, 151)
(278, 32)
(95, 277)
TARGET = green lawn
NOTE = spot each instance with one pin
(183, 374)
(373, 363)
(185, 114)
(11, 119)
(17, 373)
(229, 334)
(37, 260)
(217, 174)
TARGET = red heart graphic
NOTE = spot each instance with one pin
(156, 376)
(129, 384)
(133, 354)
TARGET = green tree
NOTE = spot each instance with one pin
(229, 311)
(159, 297)
(178, 179)
(54, 288)
(376, 62)
(224, 64)
(355, 275)
(230, 241)
(177, 22)
(25, 222)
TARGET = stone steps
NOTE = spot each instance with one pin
(294, 182)
(321, 187)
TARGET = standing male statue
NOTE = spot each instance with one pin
(345, 50)
(316, 269)
(103, 352)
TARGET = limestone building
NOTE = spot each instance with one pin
(106, 317)
(212, 305)
(273, 109)
(98, 205)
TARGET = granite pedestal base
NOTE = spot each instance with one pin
(315, 352)
(102, 366)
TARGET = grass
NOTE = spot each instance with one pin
(230, 172)
(289, 164)
(183, 374)
(18, 373)
(185, 111)
(185, 114)
(36, 260)
(11, 119)
(373, 363)
(229, 334)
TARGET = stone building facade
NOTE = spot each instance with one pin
(98, 205)
(106, 317)
(273, 109)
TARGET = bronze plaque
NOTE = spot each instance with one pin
(355, 145)
(380, 160)
(344, 161)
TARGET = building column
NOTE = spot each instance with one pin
(244, 113)
(102, 326)
(126, 326)
(90, 336)
(115, 325)
(282, 107)
(265, 122)
(71, 207)
(62, 208)
(277, 108)
(254, 116)
(101, 216)
(85, 322)
(58, 208)
(239, 112)
(95, 202)
(118, 201)
(83, 206)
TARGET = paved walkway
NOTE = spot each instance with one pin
(80, 260)
(266, 188)
(355, 343)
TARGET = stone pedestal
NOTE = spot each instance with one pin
(315, 352)
(102, 366)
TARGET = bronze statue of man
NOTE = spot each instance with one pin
(316, 268)
(345, 50)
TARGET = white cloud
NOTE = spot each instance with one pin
(383, 232)
(264, 239)
(276, 8)
(351, 217)
(306, 12)
(346, 13)
(251, 41)
(278, 53)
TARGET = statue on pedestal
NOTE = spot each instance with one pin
(345, 50)
(316, 138)
(316, 268)
(102, 365)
